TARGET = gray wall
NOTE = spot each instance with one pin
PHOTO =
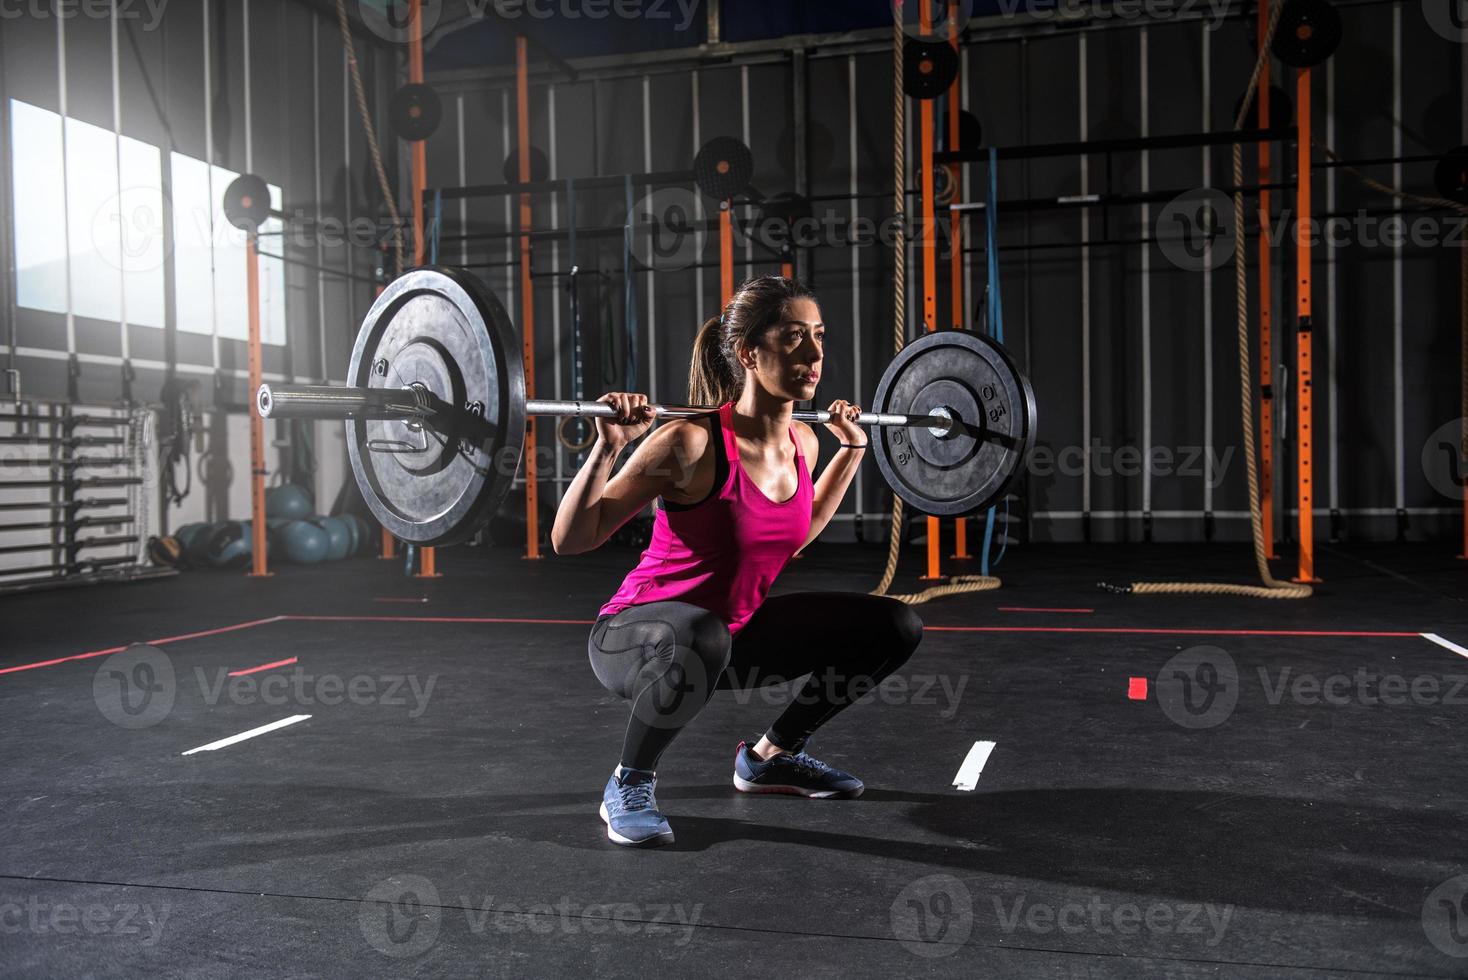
(1122, 347)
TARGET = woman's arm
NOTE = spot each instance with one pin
(596, 504)
(831, 487)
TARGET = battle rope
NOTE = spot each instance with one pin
(1272, 588)
(957, 583)
(366, 116)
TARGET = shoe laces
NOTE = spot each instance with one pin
(636, 796)
(811, 765)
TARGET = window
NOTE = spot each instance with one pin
(89, 204)
(38, 166)
(91, 221)
(209, 257)
(139, 220)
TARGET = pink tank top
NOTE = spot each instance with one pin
(724, 553)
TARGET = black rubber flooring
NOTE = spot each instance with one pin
(1287, 798)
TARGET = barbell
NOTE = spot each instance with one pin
(436, 412)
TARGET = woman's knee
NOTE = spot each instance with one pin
(899, 625)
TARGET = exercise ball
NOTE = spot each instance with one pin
(354, 531)
(304, 542)
(288, 501)
(370, 534)
(338, 536)
(364, 532)
(359, 532)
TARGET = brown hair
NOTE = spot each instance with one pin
(715, 376)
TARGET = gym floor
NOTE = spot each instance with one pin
(1177, 787)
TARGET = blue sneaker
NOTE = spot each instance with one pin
(797, 775)
(630, 810)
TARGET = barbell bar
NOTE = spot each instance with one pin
(435, 411)
(407, 404)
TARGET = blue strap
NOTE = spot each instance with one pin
(996, 330)
(571, 218)
(629, 289)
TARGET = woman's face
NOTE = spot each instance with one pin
(787, 361)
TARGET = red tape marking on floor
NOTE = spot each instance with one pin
(587, 622)
(1161, 632)
(159, 642)
(1136, 688)
(445, 619)
(256, 670)
(1040, 609)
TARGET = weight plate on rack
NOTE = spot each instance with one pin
(415, 112)
(246, 202)
(722, 168)
(929, 66)
(1308, 32)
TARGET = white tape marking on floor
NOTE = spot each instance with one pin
(223, 742)
(973, 765)
(1446, 644)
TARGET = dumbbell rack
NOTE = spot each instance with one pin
(51, 446)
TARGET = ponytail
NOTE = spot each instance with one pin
(711, 377)
(715, 375)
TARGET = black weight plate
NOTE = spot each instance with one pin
(1308, 32)
(977, 380)
(722, 168)
(929, 66)
(246, 202)
(539, 166)
(1281, 110)
(415, 112)
(436, 483)
(970, 131)
(1451, 175)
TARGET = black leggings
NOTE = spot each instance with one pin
(668, 658)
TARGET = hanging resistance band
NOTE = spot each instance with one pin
(578, 383)
(996, 330)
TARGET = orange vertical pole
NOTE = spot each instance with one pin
(527, 299)
(930, 260)
(428, 559)
(1266, 308)
(955, 239)
(1305, 456)
(259, 567)
(726, 252)
(420, 147)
